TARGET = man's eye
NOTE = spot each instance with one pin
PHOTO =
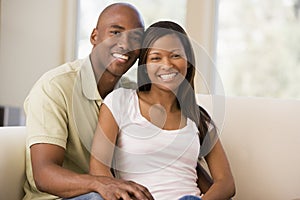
(136, 39)
(115, 32)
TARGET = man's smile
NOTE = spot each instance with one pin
(121, 57)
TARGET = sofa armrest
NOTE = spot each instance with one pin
(12, 164)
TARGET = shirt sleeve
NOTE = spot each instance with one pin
(46, 116)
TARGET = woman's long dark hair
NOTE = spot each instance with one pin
(186, 99)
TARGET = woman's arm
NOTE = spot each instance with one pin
(204, 180)
(101, 158)
(103, 143)
(223, 187)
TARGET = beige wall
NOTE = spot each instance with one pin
(35, 36)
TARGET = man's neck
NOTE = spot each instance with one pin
(106, 83)
(105, 80)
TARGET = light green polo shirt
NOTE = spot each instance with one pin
(62, 109)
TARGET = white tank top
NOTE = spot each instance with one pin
(164, 161)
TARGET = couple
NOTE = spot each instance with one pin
(157, 129)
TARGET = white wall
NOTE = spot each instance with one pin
(35, 36)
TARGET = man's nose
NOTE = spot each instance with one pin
(123, 42)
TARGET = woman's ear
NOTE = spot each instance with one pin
(188, 64)
(94, 37)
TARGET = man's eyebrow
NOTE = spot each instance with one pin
(137, 31)
(117, 26)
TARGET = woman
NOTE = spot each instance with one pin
(158, 129)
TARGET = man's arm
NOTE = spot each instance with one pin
(51, 177)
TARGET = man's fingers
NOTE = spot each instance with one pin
(109, 196)
(117, 194)
(138, 191)
(144, 190)
(122, 194)
(115, 189)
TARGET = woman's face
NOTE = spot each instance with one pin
(166, 63)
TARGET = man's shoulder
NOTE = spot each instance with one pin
(64, 74)
(57, 80)
(125, 82)
(65, 70)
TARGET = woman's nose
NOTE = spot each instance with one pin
(166, 63)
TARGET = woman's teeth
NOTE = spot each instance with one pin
(167, 76)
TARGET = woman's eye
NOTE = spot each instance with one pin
(155, 58)
(176, 56)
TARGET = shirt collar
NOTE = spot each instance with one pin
(88, 81)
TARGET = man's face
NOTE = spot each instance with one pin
(117, 40)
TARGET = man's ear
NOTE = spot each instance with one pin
(94, 37)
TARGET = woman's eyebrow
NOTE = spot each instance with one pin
(153, 52)
(171, 50)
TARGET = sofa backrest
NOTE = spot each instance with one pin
(12, 163)
(261, 137)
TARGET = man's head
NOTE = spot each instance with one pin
(116, 39)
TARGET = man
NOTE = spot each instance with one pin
(62, 111)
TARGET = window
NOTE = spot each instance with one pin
(258, 51)
(151, 11)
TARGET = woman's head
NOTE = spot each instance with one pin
(185, 93)
(167, 31)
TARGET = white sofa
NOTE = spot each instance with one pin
(12, 163)
(261, 137)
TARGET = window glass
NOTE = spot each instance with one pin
(258, 51)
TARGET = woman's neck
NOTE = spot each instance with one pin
(166, 99)
(161, 109)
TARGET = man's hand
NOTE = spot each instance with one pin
(115, 189)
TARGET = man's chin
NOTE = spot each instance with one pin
(116, 73)
(118, 69)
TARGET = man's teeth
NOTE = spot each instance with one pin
(121, 56)
(167, 76)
